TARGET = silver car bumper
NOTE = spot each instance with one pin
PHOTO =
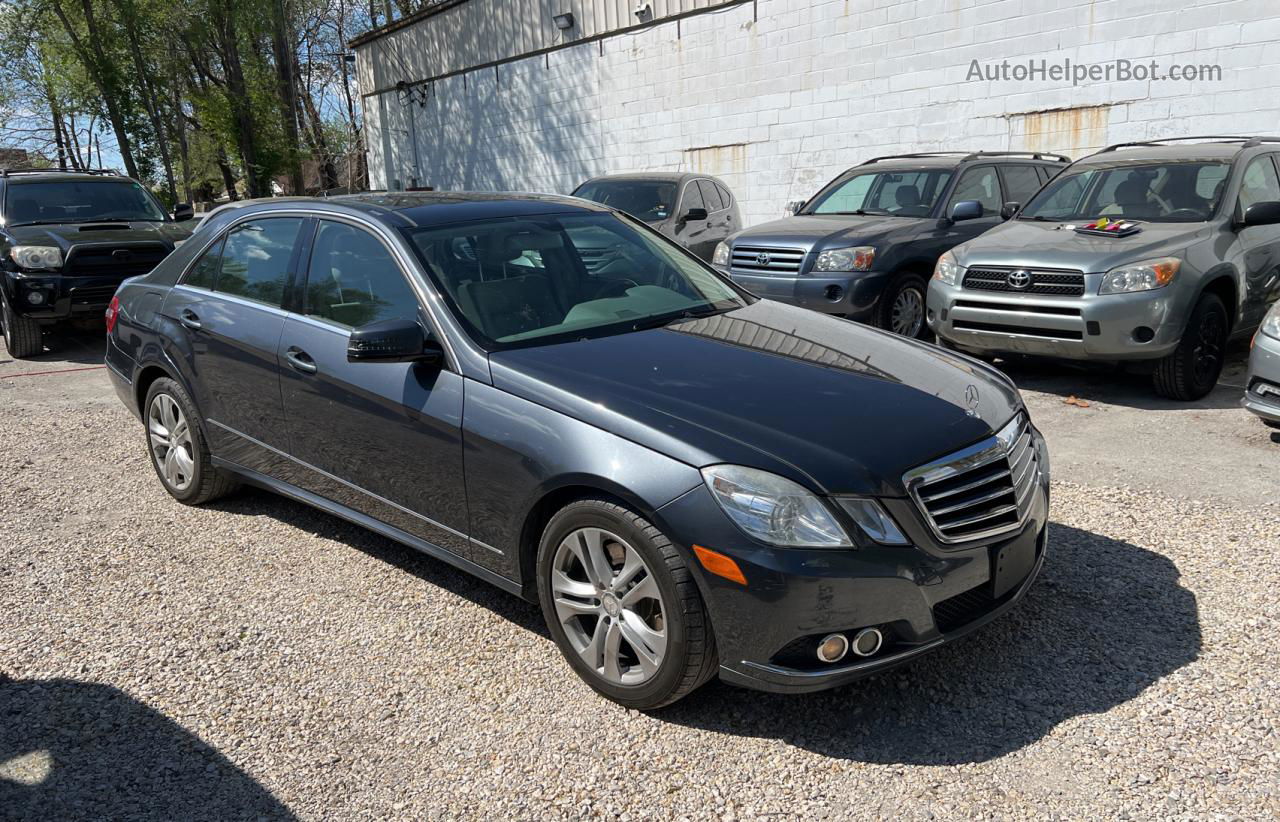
(1139, 326)
(1262, 392)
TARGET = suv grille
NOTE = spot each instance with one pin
(982, 491)
(1057, 283)
(761, 260)
(121, 260)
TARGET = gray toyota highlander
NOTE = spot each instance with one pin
(1159, 251)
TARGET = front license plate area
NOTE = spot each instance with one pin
(1011, 562)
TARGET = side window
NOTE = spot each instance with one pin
(725, 196)
(255, 259)
(205, 272)
(979, 184)
(692, 199)
(352, 279)
(1020, 182)
(1259, 182)
(710, 196)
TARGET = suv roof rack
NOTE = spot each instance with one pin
(1035, 155)
(109, 172)
(1246, 141)
(916, 155)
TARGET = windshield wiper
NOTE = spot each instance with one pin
(1037, 218)
(688, 314)
(861, 212)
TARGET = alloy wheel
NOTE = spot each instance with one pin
(609, 604)
(907, 315)
(1207, 354)
(171, 446)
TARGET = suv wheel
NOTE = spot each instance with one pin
(902, 307)
(177, 448)
(22, 336)
(622, 606)
(1192, 370)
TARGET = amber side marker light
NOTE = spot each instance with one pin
(720, 565)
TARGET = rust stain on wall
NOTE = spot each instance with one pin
(1072, 131)
(717, 160)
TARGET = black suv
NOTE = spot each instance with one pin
(864, 246)
(67, 241)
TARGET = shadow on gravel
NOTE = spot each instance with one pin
(77, 750)
(1105, 620)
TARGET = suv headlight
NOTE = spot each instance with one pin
(774, 509)
(1271, 323)
(36, 256)
(947, 270)
(1142, 276)
(857, 258)
(721, 255)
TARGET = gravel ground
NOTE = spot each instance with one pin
(256, 658)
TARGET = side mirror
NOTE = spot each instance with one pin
(1008, 209)
(1266, 212)
(183, 211)
(397, 340)
(793, 208)
(966, 210)
(695, 215)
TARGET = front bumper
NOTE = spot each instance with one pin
(1262, 392)
(851, 294)
(1139, 326)
(62, 297)
(921, 596)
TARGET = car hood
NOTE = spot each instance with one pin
(826, 230)
(837, 406)
(1031, 243)
(66, 235)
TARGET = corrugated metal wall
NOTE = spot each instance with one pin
(478, 32)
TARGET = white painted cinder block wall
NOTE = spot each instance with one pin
(778, 105)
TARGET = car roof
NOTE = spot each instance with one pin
(20, 177)
(663, 176)
(426, 208)
(1185, 152)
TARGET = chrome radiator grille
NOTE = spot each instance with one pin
(761, 260)
(981, 491)
(1057, 283)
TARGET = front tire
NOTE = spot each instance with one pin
(622, 606)
(902, 307)
(177, 448)
(1192, 370)
(22, 336)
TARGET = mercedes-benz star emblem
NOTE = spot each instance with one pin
(971, 399)
(762, 258)
(1019, 279)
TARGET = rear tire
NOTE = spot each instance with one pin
(177, 448)
(1192, 370)
(22, 336)
(641, 594)
(902, 307)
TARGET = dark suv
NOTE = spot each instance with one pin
(67, 241)
(864, 246)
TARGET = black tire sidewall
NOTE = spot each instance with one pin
(897, 285)
(200, 453)
(1182, 359)
(600, 514)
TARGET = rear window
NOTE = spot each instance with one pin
(79, 201)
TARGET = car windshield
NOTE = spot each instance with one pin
(532, 280)
(648, 200)
(1182, 192)
(902, 193)
(79, 201)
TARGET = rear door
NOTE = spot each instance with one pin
(227, 317)
(382, 438)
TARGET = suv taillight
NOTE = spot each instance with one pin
(113, 311)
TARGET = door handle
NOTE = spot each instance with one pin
(301, 360)
(189, 318)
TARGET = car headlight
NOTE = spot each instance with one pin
(1143, 276)
(721, 255)
(857, 258)
(1271, 323)
(774, 509)
(36, 256)
(947, 270)
(874, 521)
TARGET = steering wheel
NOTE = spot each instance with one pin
(1164, 204)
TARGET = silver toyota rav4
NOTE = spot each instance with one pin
(1159, 251)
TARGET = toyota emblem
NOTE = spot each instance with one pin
(762, 258)
(1019, 279)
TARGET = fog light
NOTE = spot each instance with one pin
(833, 647)
(35, 297)
(834, 293)
(1143, 334)
(867, 641)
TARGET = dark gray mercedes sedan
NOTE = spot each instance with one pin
(691, 482)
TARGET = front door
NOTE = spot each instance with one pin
(229, 318)
(381, 438)
(1260, 245)
(693, 234)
